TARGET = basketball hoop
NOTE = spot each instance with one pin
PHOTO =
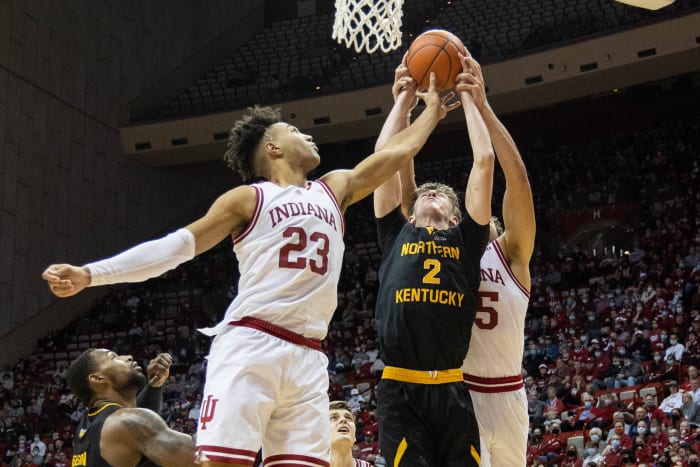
(368, 24)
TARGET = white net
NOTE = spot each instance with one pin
(368, 25)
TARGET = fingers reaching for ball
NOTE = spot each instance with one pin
(471, 81)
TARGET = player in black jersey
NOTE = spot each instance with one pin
(121, 428)
(427, 300)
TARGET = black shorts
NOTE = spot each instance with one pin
(425, 425)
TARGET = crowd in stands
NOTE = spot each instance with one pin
(310, 63)
(612, 338)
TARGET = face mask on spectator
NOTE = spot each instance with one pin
(673, 439)
(598, 353)
(556, 431)
(588, 404)
(657, 358)
(642, 430)
(615, 443)
(590, 452)
(595, 437)
(670, 361)
(673, 341)
(653, 430)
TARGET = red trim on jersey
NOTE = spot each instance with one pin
(256, 214)
(361, 463)
(335, 201)
(288, 460)
(493, 385)
(281, 333)
(501, 256)
(238, 456)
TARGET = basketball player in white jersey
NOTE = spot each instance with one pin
(266, 383)
(492, 368)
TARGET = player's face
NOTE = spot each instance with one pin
(435, 205)
(121, 370)
(342, 427)
(298, 147)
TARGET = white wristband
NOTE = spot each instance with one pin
(144, 261)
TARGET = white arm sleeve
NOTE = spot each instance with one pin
(144, 261)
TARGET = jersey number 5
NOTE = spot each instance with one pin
(319, 266)
(491, 320)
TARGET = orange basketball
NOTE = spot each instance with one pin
(435, 51)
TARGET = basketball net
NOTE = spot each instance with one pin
(368, 25)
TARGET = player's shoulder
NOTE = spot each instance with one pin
(135, 422)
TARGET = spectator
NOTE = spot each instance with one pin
(675, 348)
(572, 458)
(692, 376)
(592, 453)
(535, 409)
(652, 411)
(613, 452)
(368, 446)
(584, 414)
(673, 400)
(657, 440)
(355, 399)
(546, 450)
(627, 458)
(552, 404)
(690, 409)
(39, 444)
(642, 450)
(618, 432)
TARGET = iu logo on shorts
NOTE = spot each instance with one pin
(208, 408)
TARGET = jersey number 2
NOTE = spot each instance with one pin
(492, 319)
(299, 262)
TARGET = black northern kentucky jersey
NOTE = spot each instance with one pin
(86, 442)
(428, 292)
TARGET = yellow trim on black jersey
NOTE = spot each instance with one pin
(97, 411)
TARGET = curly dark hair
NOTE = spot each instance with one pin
(245, 137)
(77, 376)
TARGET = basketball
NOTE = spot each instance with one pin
(435, 51)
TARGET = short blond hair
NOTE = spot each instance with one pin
(440, 188)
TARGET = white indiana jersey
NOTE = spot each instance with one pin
(290, 256)
(496, 346)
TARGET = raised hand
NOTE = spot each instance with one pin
(66, 280)
(432, 99)
(159, 369)
(471, 81)
(404, 86)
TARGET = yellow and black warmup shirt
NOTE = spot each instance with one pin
(86, 441)
(428, 284)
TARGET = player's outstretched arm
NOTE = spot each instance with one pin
(151, 259)
(350, 186)
(518, 207)
(479, 190)
(131, 433)
(393, 191)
